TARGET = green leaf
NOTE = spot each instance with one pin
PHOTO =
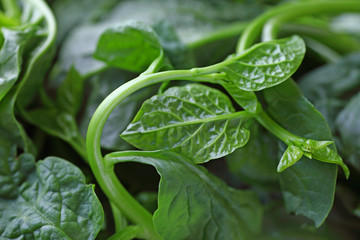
(308, 186)
(70, 92)
(266, 64)
(348, 126)
(332, 80)
(256, 162)
(193, 204)
(179, 55)
(49, 200)
(131, 46)
(330, 156)
(11, 130)
(59, 124)
(247, 100)
(196, 121)
(291, 155)
(11, 56)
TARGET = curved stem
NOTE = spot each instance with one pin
(271, 28)
(290, 11)
(104, 174)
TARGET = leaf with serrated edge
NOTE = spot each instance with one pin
(49, 200)
(194, 204)
(196, 121)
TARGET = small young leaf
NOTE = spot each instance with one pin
(266, 64)
(291, 155)
(330, 156)
(194, 204)
(313, 144)
(132, 46)
(196, 121)
(49, 200)
(313, 191)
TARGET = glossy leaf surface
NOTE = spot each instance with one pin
(194, 204)
(291, 155)
(131, 46)
(266, 64)
(196, 121)
(49, 200)
(309, 185)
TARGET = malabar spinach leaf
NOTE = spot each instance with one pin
(47, 200)
(130, 46)
(194, 204)
(348, 126)
(266, 64)
(11, 56)
(256, 162)
(309, 185)
(197, 121)
(291, 155)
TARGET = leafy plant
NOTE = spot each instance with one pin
(177, 108)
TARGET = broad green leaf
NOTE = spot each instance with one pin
(332, 80)
(11, 130)
(196, 121)
(266, 64)
(59, 124)
(291, 155)
(278, 225)
(256, 162)
(348, 126)
(11, 56)
(194, 204)
(70, 93)
(47, 200)
(130, 46)
(308, 186)
(196, 22)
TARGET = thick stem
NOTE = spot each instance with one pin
(290, 11)
(104, 174)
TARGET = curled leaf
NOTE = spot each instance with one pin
(291, 155)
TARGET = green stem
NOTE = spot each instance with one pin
(229, 31)
(287, 137)
(290, 11)
(104, 174)
(119, 218)
(272, 26)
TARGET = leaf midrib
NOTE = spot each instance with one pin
(192, 122)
